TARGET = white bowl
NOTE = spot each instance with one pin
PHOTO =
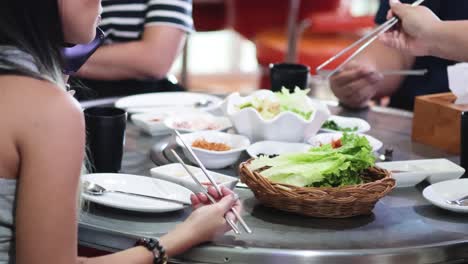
(276, 148)
(327, 138)
(177, 174)
(287, 126)
(197, 121)
(439, 193)
(349, 122)
(215, 159)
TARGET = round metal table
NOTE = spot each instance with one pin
(404, 227)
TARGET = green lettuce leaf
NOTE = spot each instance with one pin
(321, 166)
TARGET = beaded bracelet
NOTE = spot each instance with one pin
(155, 247)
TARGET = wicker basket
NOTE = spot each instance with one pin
(339, 202)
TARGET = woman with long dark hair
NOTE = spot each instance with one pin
(42, 141)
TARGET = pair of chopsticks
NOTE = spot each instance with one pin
(368, 39)
(212, 181)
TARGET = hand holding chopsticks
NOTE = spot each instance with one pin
(212, 181)
(367, 40)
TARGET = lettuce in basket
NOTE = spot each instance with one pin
(323, 166)
(283, 101)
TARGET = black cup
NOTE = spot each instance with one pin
(105, 134)
(464, 143)
(289, 76)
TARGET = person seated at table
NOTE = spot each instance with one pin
(361, 81)
(143, 38)
(42, 141)
(422, 33)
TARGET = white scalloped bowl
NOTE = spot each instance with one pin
(287, 126)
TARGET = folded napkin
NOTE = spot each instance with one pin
(458, 82)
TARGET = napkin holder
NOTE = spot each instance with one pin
(437, 121)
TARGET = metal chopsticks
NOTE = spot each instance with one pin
(212, 181)
(203, 189)
(367, 39)
(325, 73)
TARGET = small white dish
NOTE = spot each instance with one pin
(349, 122)
(137, 184)
(439, 193)
(194, 122)
(327, 138)
(276, 148)
(176, 173)
(405, 173)
(152, 123)
(411, 172)
(286, 126)
(215, 159)
(151, 102)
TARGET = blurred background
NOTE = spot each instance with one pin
(236, 40)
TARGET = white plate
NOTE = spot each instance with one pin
(153, 101)
(276, 148)
(349, 122)
(177, 174)
(327, 138)
(413, 172)
(438, 193)
(197, 122)
(137, 184)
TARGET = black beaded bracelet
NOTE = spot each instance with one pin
(155, 247)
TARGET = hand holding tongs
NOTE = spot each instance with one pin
(212, 181)
(368, 39)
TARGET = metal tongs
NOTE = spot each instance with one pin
(368, 39)
(212, 181)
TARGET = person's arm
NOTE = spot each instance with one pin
(50, 141)
(361, 80)
(150, 57)
(422, 33)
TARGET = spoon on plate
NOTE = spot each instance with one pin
(461, 202)
(97, 190)
(198, 104)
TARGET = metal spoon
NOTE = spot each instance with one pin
(96, 189)
(199, 104)
(461, 202)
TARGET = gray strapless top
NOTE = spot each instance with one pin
(7, 226)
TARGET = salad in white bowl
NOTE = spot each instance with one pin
(281, 116)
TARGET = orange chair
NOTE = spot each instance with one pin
(332, 28)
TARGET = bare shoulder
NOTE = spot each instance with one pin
(37, 103)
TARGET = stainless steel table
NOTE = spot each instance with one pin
(404, 228)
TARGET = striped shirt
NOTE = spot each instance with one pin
(125, 20)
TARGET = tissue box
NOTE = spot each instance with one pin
(436, 121)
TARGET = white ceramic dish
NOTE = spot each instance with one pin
(176, 173)
(194, 122)
(327, 138)
(137, 184)
(153, 123)
(153, 101)
(349, 122)
(439, 193)
(215, 159)
(287, 126)
(412, 172)
(276, 148)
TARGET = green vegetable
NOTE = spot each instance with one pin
(283, 101)
(332, 125)
(321, 166)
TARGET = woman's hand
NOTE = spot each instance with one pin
(415, 33)
(207, 220)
